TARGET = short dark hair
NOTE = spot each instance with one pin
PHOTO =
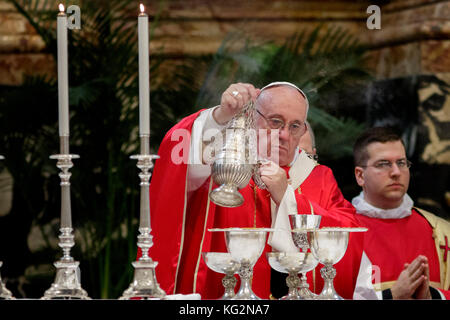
(375, 134)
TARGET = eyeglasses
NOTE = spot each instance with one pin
(295, 128)
(385, 165)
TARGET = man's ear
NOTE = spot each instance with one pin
(359, 176)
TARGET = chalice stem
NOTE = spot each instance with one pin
(245, 291)
(328, 292)
(229, 283)
(292, 281)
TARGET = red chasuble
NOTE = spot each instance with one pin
(180, 225)
(390, 243)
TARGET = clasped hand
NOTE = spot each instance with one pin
(414, 280)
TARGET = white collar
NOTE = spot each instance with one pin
(297, 151)
(366, 209)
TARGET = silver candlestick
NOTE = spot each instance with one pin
(4, 293)
(67, 282)
(144, 284)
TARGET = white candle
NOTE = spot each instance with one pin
(144, 74)
(63, 73)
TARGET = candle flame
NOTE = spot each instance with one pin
(141, 6)
(61, 7)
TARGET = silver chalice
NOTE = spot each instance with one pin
(300, 224)
(222, 262)
(329, 246)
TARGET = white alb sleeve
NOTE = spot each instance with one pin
(204, 128)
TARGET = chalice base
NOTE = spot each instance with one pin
(227, 196)
(245, 296)
(328, 292)
(144, 285)
(227, 296)
(291, 296)
(245, 292)
(303, 290)
(306, 294)
(67, 283)
(329, 295)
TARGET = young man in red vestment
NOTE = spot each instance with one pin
(407, 246)
(182, 213)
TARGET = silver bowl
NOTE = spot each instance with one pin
(221, 262)
(304, 221)
(300, 224)
(292, 263)
(329, 246)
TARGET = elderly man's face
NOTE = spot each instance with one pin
(287, 104)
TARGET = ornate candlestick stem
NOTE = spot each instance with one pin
(144, 284)
(4, 293)
(67, 281)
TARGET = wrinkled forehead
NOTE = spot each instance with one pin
(286, 85)
(285, 102)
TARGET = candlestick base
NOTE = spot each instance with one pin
(67, 283)
(5, 294)
(144, 285)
